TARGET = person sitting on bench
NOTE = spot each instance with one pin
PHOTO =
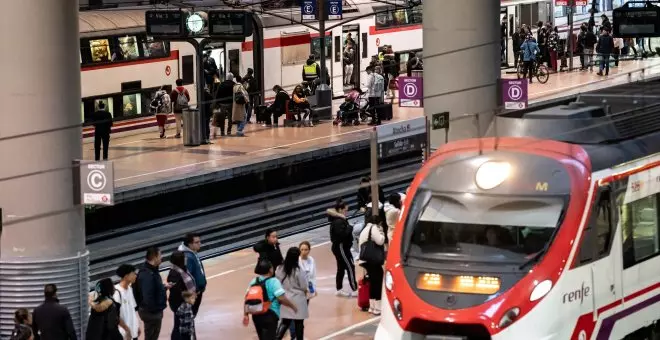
(278, 107)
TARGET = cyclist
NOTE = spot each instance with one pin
(530, 49)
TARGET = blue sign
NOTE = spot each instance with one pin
(334, 9)
(308, 10)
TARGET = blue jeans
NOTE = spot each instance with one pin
(241, 126)
(605, 63)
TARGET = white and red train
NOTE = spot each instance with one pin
(128, 84)
(549, 231)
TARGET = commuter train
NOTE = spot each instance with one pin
(124, 67)
(545, 229)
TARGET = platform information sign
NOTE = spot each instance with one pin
(308, 10)
(514, 93)
(334, 9)
(97, 183)
(401, 137)
(411, 91)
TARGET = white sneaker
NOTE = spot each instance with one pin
(376, 310)
(342, 293)
(353, 294)
(371, 305)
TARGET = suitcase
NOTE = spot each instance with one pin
(262, 114)
(363, 294)
(385, 111)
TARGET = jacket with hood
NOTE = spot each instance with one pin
(341, 232)
(270, 252)
(195, 267)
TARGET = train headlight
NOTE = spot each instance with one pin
(491, 174)
(389, 281)
(540, 290)
(509, 317)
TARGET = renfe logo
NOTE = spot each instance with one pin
(577, 295)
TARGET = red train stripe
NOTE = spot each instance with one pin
(174, 55)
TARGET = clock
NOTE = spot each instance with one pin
(195, 23)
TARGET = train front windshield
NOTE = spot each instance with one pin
(484, 229)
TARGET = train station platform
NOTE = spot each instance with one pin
(146, 165)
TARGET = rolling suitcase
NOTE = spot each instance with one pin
(363, 294)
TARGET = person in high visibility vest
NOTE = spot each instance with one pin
(311, 70)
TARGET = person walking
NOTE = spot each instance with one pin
(605, 48)
(180, 98)
(238, 110)
(128, 307)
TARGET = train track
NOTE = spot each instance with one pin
(236, 225)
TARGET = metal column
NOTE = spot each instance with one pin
(43, 236)
(468, 58)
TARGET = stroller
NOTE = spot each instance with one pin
(353, 109)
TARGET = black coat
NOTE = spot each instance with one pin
(52, 321)
(270, 252)
(340, 231)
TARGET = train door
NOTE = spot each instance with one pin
(217, 51)
(350, 57)
(233, 58)
(504, 36)
(605, 276)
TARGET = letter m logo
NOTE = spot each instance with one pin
(541, 186)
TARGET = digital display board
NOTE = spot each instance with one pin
(235, 24)
(636, 22)
(165, 23)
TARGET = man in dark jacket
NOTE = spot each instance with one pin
(269, 248)
(364, 193)
(191, 245)
(341, 236)
(250, 84)
(224, 99)
(604, 48)
(278, 107)
(151, 294)
(102, 121)
(52, 321)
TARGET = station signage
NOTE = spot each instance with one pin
(514, 93)
(568, 2)
(308, 10)
(165, 23)
(96, 182)
(636, 22)
(401, 137)
(411, 91)
(230, 25)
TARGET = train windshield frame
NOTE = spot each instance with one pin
(490, 230)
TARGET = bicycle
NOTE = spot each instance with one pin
(541, 71)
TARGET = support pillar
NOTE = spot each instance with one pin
(43, 236)
(461, 65)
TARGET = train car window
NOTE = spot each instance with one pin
(597, 237)
(154, 48)
(100, 50)
(132, 104)
(234, 56)
(127, 49)
(187, 70)
(338, 49)
(641, 236)
(315, 47)
(365, 44)
(390, 16)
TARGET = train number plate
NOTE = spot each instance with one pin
(445, 337)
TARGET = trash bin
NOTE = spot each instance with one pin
(192, 127)
(417, 73)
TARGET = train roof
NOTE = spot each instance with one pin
(609, 137)
(130, 20)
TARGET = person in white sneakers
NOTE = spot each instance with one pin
(373, 232)
(124, 295)
(341, 236)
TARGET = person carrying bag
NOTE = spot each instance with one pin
(372, 258)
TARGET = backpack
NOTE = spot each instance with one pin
(239, 97)
(181, 100)
(256, 298)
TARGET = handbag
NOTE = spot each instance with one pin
(372, 253)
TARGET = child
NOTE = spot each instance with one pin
(186, 317)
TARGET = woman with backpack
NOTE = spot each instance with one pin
(104, 320)
(263, 301)
(372, 258)
(180, 98)
(238, 111)
(296, 285)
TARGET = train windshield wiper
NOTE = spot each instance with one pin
(534, 259)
